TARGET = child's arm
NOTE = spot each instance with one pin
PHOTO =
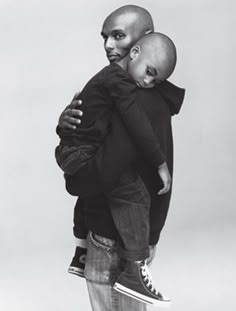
(164, 174)
(122, 91)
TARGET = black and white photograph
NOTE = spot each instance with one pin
(118, 158)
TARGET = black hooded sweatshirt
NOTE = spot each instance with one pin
(118, 152)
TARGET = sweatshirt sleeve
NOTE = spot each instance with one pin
(122, 90)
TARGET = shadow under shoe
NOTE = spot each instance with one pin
(136, 282)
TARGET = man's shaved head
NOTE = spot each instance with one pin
(138, 17)
(122, 28)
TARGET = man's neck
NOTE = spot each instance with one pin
(123, 63)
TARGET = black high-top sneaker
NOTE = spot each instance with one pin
(78, 262)
(135, 281)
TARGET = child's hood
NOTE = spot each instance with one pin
(173, 95)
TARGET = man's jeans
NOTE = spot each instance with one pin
(101, 271)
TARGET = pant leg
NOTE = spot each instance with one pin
(80, 229)
(129, 204)
(101, 271)
(72, 158)
(104, 298)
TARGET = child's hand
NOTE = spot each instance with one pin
(164, 174)
(70, 116)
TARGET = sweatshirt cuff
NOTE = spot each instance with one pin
(158, 159)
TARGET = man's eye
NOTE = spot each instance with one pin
(104, 38)
(119, 36)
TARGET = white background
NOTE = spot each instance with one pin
(49, 49)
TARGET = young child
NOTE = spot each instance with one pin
(150, 61)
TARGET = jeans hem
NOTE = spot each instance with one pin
(129, 255)
(101, 244)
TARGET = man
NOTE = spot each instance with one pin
(120, 31)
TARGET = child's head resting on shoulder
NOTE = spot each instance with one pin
(151, 60)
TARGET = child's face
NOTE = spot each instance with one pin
(145, 69)
(119, 36)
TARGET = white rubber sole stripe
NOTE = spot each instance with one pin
(76, 271)
(129, 292)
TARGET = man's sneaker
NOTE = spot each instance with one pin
(78, 262)
(135, 281)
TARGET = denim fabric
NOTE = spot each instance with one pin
(129, 204)
(72, 158)
(101, 271)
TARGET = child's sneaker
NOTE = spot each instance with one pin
(78, 262)
(135, 281)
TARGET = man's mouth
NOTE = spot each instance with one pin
(112, 57)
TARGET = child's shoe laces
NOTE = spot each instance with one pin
(148, 279)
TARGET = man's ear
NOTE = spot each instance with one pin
(134, 52)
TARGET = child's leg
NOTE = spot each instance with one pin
(129, 203)
(72, 158)
(77, 265)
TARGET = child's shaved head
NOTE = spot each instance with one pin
(151, 60)
(162, 48)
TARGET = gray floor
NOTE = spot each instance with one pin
(196, 269)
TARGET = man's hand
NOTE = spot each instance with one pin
(164, 174)
(70, 116)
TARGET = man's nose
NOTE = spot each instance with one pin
(109, 44)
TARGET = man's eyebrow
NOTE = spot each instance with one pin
(103, 34)
(117, 30)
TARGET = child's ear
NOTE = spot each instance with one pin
(134, 52)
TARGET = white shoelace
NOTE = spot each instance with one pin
(148, 279)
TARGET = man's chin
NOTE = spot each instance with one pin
(112, 59)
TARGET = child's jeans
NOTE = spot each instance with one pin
(129, 202)
(102, 268)
(72, 158)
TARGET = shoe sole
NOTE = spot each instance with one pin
(145, 299)
(76, 271)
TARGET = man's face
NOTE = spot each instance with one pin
(119, 34)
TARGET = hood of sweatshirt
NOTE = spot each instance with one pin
(173, 95)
